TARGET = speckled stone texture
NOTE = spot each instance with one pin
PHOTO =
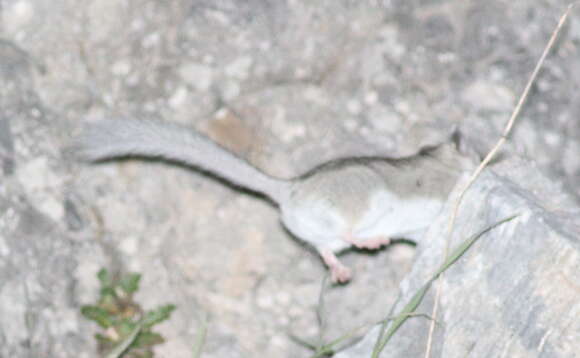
(286, 84)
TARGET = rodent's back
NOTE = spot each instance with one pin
(343, 185)
(340, 196)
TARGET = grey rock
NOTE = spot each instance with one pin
(38, 258)
(37, 293)
(515, 292)
(6, 147)
(301, 82)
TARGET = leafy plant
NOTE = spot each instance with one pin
(127, 328)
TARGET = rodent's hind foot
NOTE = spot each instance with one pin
(339, 273)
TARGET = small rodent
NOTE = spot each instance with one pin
(362, 202)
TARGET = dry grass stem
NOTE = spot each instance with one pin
(492, 153)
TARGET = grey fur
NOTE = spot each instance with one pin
(355, 201)
(108, 139)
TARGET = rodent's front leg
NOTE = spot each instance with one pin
(338, 272)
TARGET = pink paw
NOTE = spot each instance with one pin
(340, 274)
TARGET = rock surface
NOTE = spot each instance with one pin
(287, 85)
(515, 292)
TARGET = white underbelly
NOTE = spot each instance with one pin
(392, 217)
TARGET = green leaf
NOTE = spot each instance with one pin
(158, 315)
(105, 278)
(104, 339)
(148, 339)
(125, 326)
(108, 299)
(130, 283)
(107, 291)
(118, 351)
(147, 354)
(98, 314)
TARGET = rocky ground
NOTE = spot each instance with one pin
(286, 84)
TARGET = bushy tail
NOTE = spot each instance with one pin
(109, 139)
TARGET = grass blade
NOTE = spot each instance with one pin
(410, 307)
(122, 347)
